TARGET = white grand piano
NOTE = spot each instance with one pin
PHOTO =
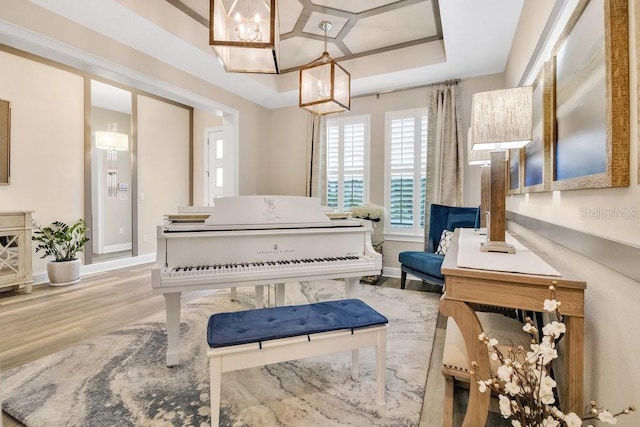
(256, 241)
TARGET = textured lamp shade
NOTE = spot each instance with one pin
(502, 119)
(477, 157)
(245, 35)
(112, 141)
(325, 87)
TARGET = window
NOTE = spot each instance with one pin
(406, 172)
(347, 142)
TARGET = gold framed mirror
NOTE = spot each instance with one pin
(5, 142)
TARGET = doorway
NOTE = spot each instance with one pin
(111, 172)
(220, 169)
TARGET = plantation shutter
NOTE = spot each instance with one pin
(406, 148)
(347, 141)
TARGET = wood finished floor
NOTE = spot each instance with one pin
(51, 319)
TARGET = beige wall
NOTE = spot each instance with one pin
(611, 341)
(163, 170)
(47, 142)
(287, 156)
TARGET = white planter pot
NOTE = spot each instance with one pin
(64, 273)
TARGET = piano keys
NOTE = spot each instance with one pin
(256, 241)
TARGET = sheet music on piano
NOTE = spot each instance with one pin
(256, 212)
(256, 241)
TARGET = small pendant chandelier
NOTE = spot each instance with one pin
(325, 87)
(246, 36)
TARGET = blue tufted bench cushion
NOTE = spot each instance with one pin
(425, 262)
(249, 326)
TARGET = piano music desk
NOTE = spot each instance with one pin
(466, 288)
(250, 338)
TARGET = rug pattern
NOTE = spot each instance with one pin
(120, 378)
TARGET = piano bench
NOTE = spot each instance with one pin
(258, 337)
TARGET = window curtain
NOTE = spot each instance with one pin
(316, 181)
(445, 151)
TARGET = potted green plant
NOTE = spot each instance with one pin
(63, 242)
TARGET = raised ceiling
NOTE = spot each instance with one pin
(358, 27)
(384, 44)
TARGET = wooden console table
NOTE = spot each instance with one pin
(466, 288)
(15, 250)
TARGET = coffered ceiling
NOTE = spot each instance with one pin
(384, 44)
(359, 28)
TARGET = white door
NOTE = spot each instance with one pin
(221, 168)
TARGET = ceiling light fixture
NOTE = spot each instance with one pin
(246, 36)
(325, 87)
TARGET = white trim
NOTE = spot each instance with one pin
(116, 248)
(42, 278)
(402, 237)
(46, 47)
(395, 272)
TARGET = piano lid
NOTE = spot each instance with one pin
(267, 210)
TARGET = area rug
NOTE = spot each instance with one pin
(120, 378)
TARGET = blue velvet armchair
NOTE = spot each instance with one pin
(426, 264)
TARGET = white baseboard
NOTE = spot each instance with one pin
(116, 248)
(395, 272)
(102, 266)
(391, 272)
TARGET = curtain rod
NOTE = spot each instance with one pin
(446, 82)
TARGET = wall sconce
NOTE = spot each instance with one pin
(112, 141)
(246, 36)
(500, 120)
(325, 87)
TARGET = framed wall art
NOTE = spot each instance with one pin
(591, 144)
(5, 142)
(536, 156)
(515, 158)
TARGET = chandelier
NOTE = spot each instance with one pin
(246, 36)
(325, 87)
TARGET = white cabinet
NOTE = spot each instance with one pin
(15, 250)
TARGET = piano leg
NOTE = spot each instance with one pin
(279, 294)
(172, 307)
(259, 296)
(350, 284)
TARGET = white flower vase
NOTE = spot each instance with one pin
(64, 273)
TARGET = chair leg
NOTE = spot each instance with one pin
(403, 279)
(447, 406)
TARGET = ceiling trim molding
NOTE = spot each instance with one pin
(189, 12)
(338, 40)
(53, 50)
